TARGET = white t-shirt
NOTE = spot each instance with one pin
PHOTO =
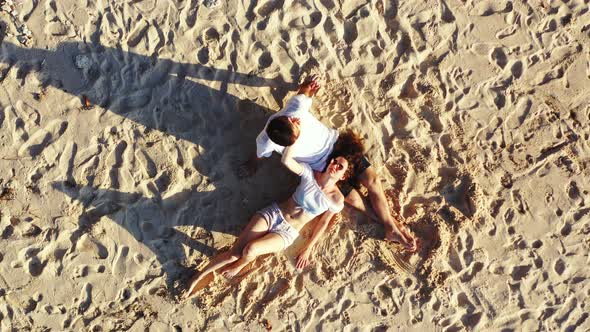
(310, 196)
(315, 142)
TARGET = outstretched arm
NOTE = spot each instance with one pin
(318, 230)
(292, 164)
(310, 87)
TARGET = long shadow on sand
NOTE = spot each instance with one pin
(162, 95)
(153, 222)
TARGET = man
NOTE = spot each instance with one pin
(314, 145)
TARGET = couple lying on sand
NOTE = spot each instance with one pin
(331, 166)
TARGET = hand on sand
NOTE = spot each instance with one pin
(310, 87)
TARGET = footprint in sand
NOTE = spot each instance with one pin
(147, 165)
(115, 161)
(87, 243)
(518, 202)
(387, 298)
(350, 32)
(565, 310)
(265, 8)
(334, 32)
(519, 272)
(498, 57)
(125, 265)
(265, 60)
(188, 14)
(462, 260)
(507, 31)
(137, 33)
(2, 116)
(559, 266)
(17, 127)
(66, 162)
(490, 7)
(81, 271)
(573, 192)
(83, 303)
(203, 55)
(42, 138)
(516, 68)
(119, 264)
(328, 4)
(519, 113)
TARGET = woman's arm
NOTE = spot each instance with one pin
(318, 230)
(292, 164)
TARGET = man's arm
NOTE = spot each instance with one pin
(318, 230)
(292, 164)
(310, 87)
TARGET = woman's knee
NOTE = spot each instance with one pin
(234, 254)
(234, 257)
(370, 179)
(354, 199)
(250, 250)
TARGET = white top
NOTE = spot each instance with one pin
(310, 196)
(315, 142)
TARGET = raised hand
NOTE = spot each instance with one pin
(310, 87)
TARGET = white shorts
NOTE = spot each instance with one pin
(278, 225)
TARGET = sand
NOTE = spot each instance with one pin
(122, 125)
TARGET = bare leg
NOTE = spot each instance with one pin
(256, 228)
(394, 231)
(216, 263)
(355, 200)
(267, 244)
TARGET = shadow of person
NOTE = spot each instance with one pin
(166, 96)
(150, 221)
(157, 93)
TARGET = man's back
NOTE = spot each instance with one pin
(315, 141)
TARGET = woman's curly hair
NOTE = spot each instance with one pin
(349, 146)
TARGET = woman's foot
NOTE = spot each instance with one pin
(231, 272)
(234, 269)
(400, 235)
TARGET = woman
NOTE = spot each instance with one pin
(276, 227)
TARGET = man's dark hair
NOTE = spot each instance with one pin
(280, 131)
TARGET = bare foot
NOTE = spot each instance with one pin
(396, 238)
(410, 238)
(402, 237)
(231, 272)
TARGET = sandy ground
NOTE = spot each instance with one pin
(122, 124)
